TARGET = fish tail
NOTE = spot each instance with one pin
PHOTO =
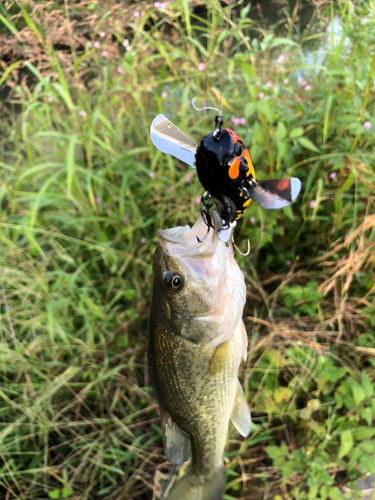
(194, 486)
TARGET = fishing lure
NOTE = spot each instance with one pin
(224, 169)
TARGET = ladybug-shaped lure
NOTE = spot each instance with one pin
(224, 169)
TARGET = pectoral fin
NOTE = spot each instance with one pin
(219, 358)
(240, 414)
(176, 441)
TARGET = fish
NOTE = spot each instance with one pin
(196, 341)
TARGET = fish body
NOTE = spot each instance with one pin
(196, 341)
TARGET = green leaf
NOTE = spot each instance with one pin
(347, 184)
(364, 432)
(54, 494)
(281, 130)
(66, 492)
(346, 443)
(334, 494)
(357, 391)
(367, 385)
(306, 143)
(296, 132)
(367, 415)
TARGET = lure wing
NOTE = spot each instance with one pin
(275, 193)
(167, 138)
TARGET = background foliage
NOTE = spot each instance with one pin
(83, 192)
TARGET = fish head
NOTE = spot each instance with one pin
(198, 284)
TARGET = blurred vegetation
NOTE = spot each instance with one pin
(83, 192)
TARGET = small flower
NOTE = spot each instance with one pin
(333, 175)
(286, 81)
(261, 95)
(164, 95)
(189, 177)
(98, 201)
(151, 174)
(50, 98)
(201, 66)
(281, 59)
(163, 5)
(312, 203)
(308, 87)
(83, 114)
(367, 125)
(128, 48)
(171, 188)
(299, 80)
(288, 263)
(102, 34)
(136, 14)
(143, 240)
(129, 349)
(105, 53)
(198, 200)
(235, 120)
(242, 121)
(119, 69)
(5, 270)
(252, 220)
(269, 84)
(125, 219)
(157, 5)
(126, 42)
(96, 45)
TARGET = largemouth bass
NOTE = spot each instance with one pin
(196, 341)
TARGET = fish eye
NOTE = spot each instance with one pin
(173, 281)
(238, 149)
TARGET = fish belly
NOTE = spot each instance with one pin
(197, 385)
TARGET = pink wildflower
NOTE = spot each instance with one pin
(269, 84)
(125, 219)
(98, 201)
(102, 34)
(201, 66)
(308, 87)
(105, 53)
(157, 5)
(50, 98)
(96, 45)
(286, 81)
(83, 114)
(119, 69)
(252, 220)
(151, 174)
(312, 204)
(281, 59)
(164, 95)
(136, 14)
(367, 125)
(143, 241)
(333, 175)
(189, 177)
(198, 200)
(163, 5)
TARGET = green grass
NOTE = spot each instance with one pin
(78, 231)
